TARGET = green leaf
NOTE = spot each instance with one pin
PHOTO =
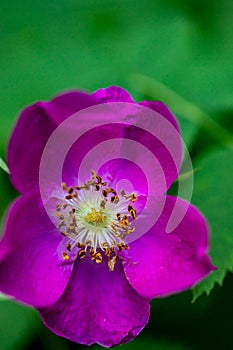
(4, 166)
(213, 194)
(17, 325)
(6, 196)
(182, 107)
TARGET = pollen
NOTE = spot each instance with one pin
(95, 217)
(95, 220)
(65, 256)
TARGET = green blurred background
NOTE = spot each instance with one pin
(178, 51)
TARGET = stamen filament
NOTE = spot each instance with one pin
(96, 220)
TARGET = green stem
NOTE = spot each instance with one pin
(3, 166)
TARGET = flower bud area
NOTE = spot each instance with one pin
(95, 220)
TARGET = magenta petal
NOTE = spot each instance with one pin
(42, 118)
(161, 108)
(113, 94)
(26, 146)
(30, 269)
(83, 146)
(38, 121)
(148, 149)
(68, 103)
(98, 306)
(159, 263)
(158, 131)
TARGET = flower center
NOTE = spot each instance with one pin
(95, 217)
(95, 220)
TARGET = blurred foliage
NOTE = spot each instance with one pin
(3, 165)
(18, 325)
(215, 177)
(176, 50)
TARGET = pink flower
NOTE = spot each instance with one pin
(86, 281)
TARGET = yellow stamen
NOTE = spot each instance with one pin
(65, 256)
(95, 217)
(109, 214)
(82, 253)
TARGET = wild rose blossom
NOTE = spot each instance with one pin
(87, 281)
